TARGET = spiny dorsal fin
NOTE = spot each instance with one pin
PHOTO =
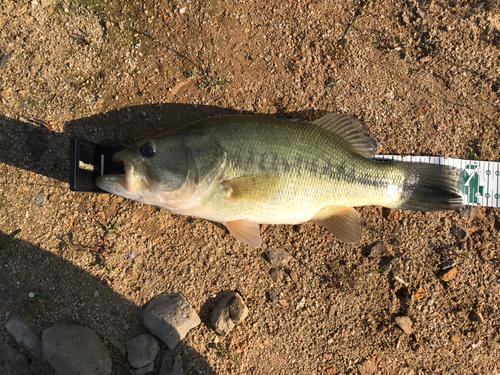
(353, 132)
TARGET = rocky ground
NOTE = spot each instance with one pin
(424, 75)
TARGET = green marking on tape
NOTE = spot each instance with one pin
(471, 187)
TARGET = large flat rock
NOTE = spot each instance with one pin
(72, 349)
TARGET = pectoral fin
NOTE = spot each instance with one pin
(342, 221)
(251, 188)
(245, 231)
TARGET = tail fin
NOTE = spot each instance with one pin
(430, 187)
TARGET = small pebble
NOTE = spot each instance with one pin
(475, 316)
(283, 303)
(101, 215)
(4, 59)
(419, 293)
(301, 304)
(379, 250)
(367, 368)
(171, 365)
(170, 317)
(39, 199)
(273, 297)
(450, 263)
(142, 350)
(404, 323)
(382, 329)
(390, 214)
(331, 310)
(448, 275)
(276, 275)
(385, 268)
(229, 311)
(277, 258)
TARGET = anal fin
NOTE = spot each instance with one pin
(245, 231)
(342, 221)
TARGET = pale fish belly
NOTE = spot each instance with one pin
(301, 200)
(262, 212)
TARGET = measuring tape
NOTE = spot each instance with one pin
(480, 179)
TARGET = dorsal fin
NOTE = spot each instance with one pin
(354, 133)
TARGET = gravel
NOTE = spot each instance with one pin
(90, 70)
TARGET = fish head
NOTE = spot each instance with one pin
(172, 171)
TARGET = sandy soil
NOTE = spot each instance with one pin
(424, 75)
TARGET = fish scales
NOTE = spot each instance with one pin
(313, 177)
(248, 170)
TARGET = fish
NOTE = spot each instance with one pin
(247, 170)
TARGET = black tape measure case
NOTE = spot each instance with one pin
(88, 161)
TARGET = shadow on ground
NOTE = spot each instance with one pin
(35, 148)
(66, 294)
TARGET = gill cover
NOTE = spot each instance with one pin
(185, 166)
(206, 156)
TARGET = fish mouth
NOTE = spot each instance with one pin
(112, 183)
(119, 159)
(124, 184)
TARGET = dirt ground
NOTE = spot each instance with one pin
(424, 75)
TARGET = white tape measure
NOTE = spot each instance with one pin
(481, 179)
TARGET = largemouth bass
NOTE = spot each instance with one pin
(246, 170)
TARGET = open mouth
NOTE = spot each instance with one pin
(116, 158)
(127, 178)
(133, 177)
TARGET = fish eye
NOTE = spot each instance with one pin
(148, 149)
